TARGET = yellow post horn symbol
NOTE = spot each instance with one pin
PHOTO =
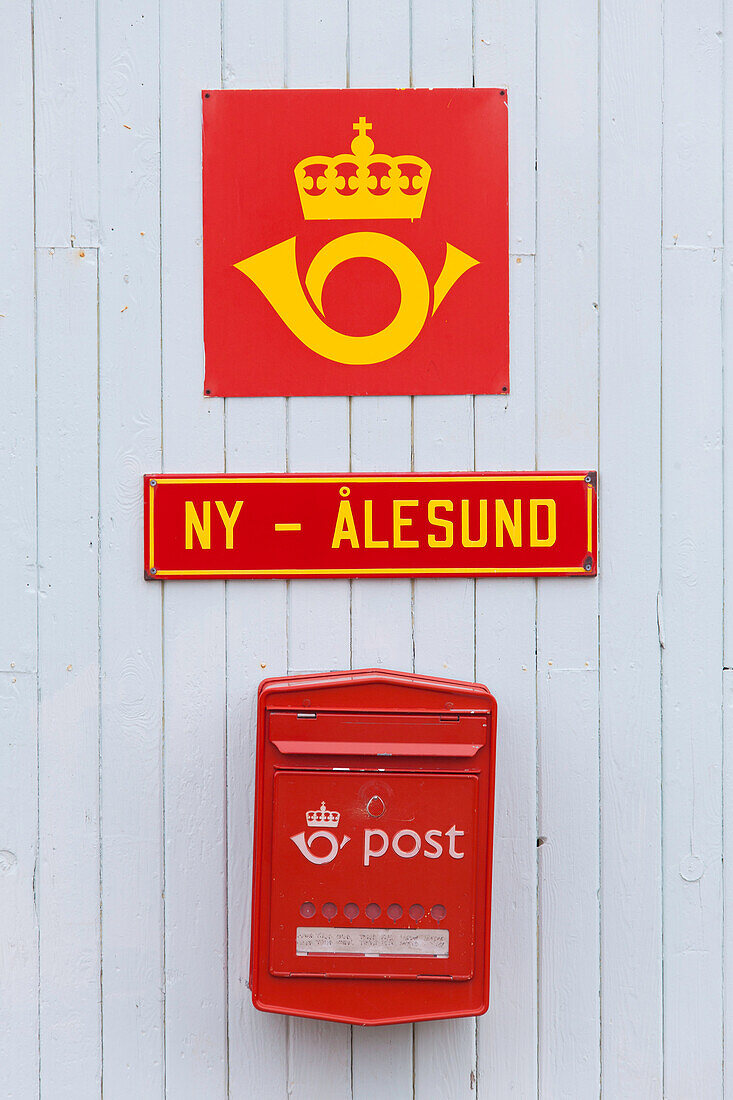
(274, 271)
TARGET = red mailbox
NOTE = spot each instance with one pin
(373, 840)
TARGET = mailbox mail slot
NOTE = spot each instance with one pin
(373, 839)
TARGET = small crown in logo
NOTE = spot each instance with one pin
(329, 818)
(362, 184)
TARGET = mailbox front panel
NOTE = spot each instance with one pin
(373, 838)
(409, 870)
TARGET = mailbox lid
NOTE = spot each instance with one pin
(377, 733)
(371, 712)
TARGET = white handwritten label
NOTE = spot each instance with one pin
(372, 941)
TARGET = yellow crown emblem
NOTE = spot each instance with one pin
(362, 184)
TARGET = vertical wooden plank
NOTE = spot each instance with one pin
(630, 354)
(506, 662)
(505, 58)
(381, 433)
(316, 36)
(319, 1054)
(693, 102)
(691, 663)
(442, 44)
(130, 619)
(505, 610)
(569, 1062)
(379, 44)
(256, 648)
(65, 78)
(252, 56)
(727, 360)
(18, 624)
(692, 548)
(445, 1051)
(68, 871)
(381, 627)
(442, 56)
(253, 43)
(727, 349)
(567, 643)
(727, 875)
(381, 439)
(194, 613)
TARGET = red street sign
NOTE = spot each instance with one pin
(367, 525)
(355, 242)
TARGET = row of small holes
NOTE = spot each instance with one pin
(372, 910)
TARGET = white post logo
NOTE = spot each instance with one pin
(406, 843)
(329, 819)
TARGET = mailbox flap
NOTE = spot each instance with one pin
(390, 896)
(377, 734)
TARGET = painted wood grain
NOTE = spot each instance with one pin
(442, 55)
(727, 258)
(319, 612)
(504, 54)
(65, 100)
(379, 44)
(630, 356)
(253, 55)
(381, 435)
(18, 623)
(693, 107)
(727, 875)
(67, 877)
(567, 622)
(727, 792)
(130, 638)
(568, 904)
(193, 614)
(691, 677)
(506, 663)
(692, 548)
(445, 1052)
(506, 614)
(152, 1000)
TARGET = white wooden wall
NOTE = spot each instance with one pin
(127, 709)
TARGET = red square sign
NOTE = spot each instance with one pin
(355, 242)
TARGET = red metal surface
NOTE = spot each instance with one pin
(253, 143)
(347, 525)
(393, 840)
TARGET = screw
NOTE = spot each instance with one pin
(588, 478)
(153, 570)
(153, 481)
(587, 566)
